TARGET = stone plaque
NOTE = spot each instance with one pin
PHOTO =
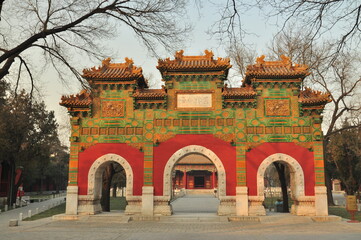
(112, 109)
(277, 107)
(351, 204)
(194, 100)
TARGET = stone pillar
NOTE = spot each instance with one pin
(242, 201)
(147, 200)
(321, 206)
(71, 200)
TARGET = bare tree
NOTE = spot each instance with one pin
(230, 25)
(318, 18)
(57, 28)
(241, 57)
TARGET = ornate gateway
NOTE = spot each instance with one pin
(241, 131)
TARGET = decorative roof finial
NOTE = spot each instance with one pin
(106, 62)
(208, 54)
(179, 55)
(260, 60)
(285, 60)
(129, 63)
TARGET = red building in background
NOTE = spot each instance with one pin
(195, 172)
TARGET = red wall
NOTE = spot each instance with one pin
(224, 150)
(302, 155)
(133, 156)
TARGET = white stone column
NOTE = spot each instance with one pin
(321, 206)
(147, 200)
(71, 200)
(242, 201)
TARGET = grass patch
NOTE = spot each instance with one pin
(40, 196)
(48, 213)
(270, 201)
(342, 212)
(118, 203)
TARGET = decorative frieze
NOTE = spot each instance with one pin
(112, 131)
(194, 122)
(112, 108)
(279, 130)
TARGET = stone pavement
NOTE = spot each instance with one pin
(278, 227)
(151, 230)
(195, 204)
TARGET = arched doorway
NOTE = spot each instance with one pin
(203, 153)
(113, 188)
(297, 185)
(277, 188)
(95, 180)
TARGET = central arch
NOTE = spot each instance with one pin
(193, 149)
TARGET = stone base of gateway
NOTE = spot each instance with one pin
(240, 205)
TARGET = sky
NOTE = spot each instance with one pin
(127, 45)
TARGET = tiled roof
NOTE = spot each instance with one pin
(312, 97)
(114, 71)
(83, 99)
(205, 62)
(150, 94)
(242, 92)
(276, 69)
(195, 159)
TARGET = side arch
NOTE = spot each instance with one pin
(193, 149)
(96, 171)
(297, 178)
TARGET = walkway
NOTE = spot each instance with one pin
(195, 204)
(34, 207)
(46, 229)
(113, 229)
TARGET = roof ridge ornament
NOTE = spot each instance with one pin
(260, 60)
(201, 62)
(129, 64)
(106, 62)
(286, 60)
(208, 54)
(179, 55)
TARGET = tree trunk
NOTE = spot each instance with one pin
(11, 192)
(282, 176)
(328, 181)
(114, 190)
(107, 179)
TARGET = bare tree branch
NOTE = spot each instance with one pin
(54, 26)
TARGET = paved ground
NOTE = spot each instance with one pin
(98, 228)
(195, 203)
(88, 230)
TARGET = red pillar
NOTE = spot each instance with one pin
(213, 179)
(185, 179)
